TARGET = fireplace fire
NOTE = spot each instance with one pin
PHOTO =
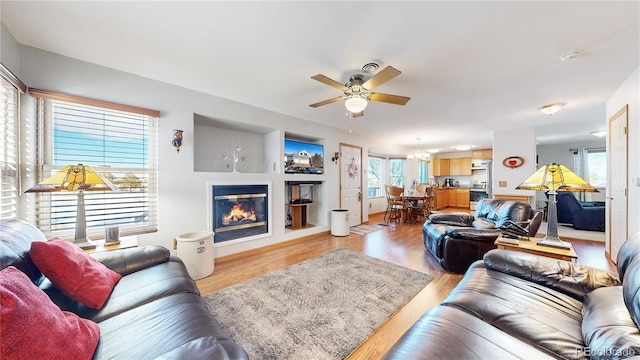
(239, 211)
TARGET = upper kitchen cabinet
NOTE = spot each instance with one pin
(460, 166)
(441, 167)
(484, 154)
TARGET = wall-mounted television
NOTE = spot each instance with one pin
(301, 157)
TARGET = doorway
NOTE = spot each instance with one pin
(351, 182)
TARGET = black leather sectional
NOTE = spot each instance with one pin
(154, 311)
(521, 306)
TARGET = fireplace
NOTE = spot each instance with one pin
(239, 211)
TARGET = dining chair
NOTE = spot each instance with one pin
(420, 203)
(395, 203)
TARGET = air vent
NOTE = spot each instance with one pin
(370, 67)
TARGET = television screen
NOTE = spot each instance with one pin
(303, 157)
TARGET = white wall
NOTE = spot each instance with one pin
(507, 143)
(629, 93)
(182, 190)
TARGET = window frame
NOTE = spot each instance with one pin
(100, 201)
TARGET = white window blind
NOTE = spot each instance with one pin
(120, 145)
(10, 162)
(9, 135)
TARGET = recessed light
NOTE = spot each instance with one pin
(569, 56)
(551, 108)
(463, 147)
(599, 133)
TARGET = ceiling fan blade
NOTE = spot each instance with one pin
(325, 80)
(358, 114)
(393, 99)
(327, 102)
(382, 77)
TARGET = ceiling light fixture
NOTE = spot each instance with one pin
(599, 133)
(463, 147)
(419, 155)
(433, 151)
(551, 108)
(355, 104)
(569, 56)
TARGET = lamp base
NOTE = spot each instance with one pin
(554, 242)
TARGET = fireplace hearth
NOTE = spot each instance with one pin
(239, 211)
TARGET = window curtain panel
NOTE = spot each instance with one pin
(581, 168)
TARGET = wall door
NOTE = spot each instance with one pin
(617, 182)
(351, 182)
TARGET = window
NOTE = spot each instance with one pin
(11, 88)
(375, 183)
(597, 165)
(423, 172)
(395, 173)
(117, 141)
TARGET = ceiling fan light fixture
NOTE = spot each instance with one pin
(551, 108)
(355, 104)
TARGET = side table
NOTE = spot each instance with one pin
(531, 247)
(125, 242)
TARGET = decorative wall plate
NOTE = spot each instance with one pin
(513, 162)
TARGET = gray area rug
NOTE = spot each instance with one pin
(322, 308)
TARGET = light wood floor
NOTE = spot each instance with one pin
(399, 243)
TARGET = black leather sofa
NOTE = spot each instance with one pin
(458, 239)
(154, 312)
(518, 305)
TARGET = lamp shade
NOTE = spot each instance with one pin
(355, 104)
(556, 177)
(79, 178)
(73, 178)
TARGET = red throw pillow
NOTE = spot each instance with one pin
(71, 270)
(33, 327)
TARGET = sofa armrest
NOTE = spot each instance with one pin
(564, 276)
(452, 218)
(473, 234)
(130, 260)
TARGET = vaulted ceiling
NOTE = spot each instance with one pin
(470, 68)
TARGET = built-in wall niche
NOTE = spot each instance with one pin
(215, 142)
(301, 207)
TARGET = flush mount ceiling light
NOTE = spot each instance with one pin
(599, 133)
(463, 147)
(433, 151)
(551, 108)
(569, 56)
(355, 104)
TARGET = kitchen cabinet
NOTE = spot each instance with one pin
(484, 154)
(441, 167)
(462, 198)
(460, 166)
(442, 198)
(452, 198)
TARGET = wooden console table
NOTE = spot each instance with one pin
(125, 242)
(532, 247)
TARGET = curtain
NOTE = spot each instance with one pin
(581, 168)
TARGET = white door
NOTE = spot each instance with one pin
(617, 182)
(351, 182)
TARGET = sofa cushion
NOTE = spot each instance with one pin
(448, 333)
(451, 218)
(33, 327)
(133, 290)
(536, 314)
(629, 270)
(160, 327)
(74, 272)
(607, 327)
(569, 278)
(16, 237)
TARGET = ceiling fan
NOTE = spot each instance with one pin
(357, 91)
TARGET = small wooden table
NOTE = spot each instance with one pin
(125, 242)
(532, 247)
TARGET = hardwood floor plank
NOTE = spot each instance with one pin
(399, 243)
